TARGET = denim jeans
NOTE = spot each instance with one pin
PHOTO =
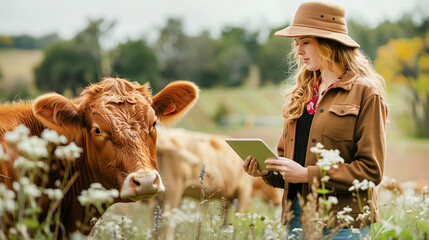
(344, 233)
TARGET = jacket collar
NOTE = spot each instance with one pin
(346, 81)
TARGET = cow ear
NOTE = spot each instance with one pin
(56, 112)
(174, 100)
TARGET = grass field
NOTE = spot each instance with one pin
(17, 67)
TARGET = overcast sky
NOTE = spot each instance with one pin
(137, 18)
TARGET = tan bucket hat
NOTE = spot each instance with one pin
(320, 19)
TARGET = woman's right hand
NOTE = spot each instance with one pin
(250, 166)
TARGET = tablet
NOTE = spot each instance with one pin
(252, 146)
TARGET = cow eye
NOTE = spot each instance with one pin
(154, 124)
(97, 131)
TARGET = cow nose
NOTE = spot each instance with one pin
(142, 185)
(145, 182)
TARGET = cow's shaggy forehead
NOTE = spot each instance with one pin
(116, 90)
(127, 122)
(125, 107)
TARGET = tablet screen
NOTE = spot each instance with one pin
(251, 146)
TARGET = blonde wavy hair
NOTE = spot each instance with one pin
(335, 57)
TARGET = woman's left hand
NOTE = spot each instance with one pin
(290, 170)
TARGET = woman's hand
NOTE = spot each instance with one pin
(290, 170)
(250, 166)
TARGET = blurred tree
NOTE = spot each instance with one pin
(372, 38)
(233, 64)
(6, 41)
(66, 66)
(27, 41)
(89, 40)
(170, 50)
(73, 64)
(186, 57)
(406, 62)
(134, 60)
(237, 50)
(200, 60)
(240, 36)
(273, 59)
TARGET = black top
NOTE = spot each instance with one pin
(303, 126)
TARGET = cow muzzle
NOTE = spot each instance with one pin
(142, 185)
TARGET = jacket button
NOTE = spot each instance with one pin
(321, 110)
(342, 110)
(313, 140)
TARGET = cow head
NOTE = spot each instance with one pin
(114, 122)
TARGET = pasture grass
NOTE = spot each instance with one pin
(17, 67)
(243, 101)
(403, 216)
(261, 221)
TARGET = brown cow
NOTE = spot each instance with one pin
(182, 153)
(113, 121)
(416, 187)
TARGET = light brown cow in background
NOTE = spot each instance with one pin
(113, 121)
(182, 153)
(416, 187)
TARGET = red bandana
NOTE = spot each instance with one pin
(311, 106)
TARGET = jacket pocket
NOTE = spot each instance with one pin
(341, 122)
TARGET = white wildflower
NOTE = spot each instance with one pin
(425, 190)
(342, 215)
(355, 230)
(13, 231)
(228, 229)
(3, 155)
(29, 188)
(319, 145)
(23, 230)
(53, 137)
(97, 195)
(78, 236)
(325, 178)
(22, 162)
(53, 194)
(34, 147)
(332, 200)
(7, 199)
(26, 187)
(69, 152)
(57, 183)
(347, 209)
(355, 186)
(16, 186)
(315, 150)
(364, 185)
(366, 213)
(17, 135)
(328, 158)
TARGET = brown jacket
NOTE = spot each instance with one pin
(352, 118)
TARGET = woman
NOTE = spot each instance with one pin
(337, 100)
